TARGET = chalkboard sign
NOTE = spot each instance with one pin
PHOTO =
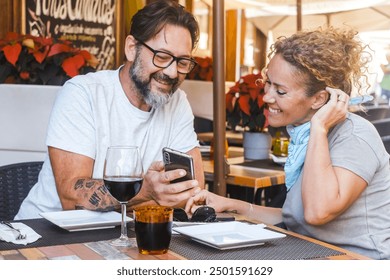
(89, 24)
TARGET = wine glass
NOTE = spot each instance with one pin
(123, 176)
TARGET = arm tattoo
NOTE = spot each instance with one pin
(90, 184)
(87, 184)
(107, 209)
(95, 195)
(79, 184)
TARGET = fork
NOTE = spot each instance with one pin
(20, 234)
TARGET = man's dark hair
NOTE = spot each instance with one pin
(150, 20)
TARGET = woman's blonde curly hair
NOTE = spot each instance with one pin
(326, 57)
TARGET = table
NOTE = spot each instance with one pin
(245, 180)
(241, 173)
(100, 249)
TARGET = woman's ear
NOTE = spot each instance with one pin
(130, 48)
(321, 98)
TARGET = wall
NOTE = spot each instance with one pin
(200, 96)
(10, 15)
(24, 116)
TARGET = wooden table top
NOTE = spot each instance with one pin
(243, 175)
(100, 250)
(89, 251)
(348, 254)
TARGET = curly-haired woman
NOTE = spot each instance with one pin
(337, 171)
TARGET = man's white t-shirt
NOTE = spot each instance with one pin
(92, 113)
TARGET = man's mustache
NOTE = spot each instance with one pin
(164, 79)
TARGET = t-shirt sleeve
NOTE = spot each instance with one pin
(71, 125)
(347, 152)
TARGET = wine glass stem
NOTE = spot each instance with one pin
(123, 225)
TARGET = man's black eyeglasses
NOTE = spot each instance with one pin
(202, 214)
(163, 60)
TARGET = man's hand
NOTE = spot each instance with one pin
(157, 187)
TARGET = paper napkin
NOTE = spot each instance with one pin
(9, 235)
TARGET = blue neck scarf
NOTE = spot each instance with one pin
(296, 152)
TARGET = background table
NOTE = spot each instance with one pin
(256, 174)
(246, 179)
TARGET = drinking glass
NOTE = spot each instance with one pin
(153, 229)
(123, 177)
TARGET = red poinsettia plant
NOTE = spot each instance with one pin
(203, 70)
(28, 59)
(245, 107)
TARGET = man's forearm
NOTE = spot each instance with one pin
(92, 194)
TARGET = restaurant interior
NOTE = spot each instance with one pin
(235, 36)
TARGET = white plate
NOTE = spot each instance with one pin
(183, 224)
(278, 160)
(229, 235)
(77, 220)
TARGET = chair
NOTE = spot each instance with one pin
(202, 125)
(375, 113)
(386, 142)
(383, 126)
(16, 180)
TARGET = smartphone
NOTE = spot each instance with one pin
(178, 160)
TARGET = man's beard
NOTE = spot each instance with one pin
(155, 99)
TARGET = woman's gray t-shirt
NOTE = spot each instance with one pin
(365, 226)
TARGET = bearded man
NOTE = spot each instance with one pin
(139, 104)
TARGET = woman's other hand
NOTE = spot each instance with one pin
(333, 112)
(204, 197)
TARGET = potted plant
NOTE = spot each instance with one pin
(203, 70)
(27, 59)
(247, 112)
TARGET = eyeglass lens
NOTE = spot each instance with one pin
(163, 60)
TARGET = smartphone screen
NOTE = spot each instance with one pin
(178, 160)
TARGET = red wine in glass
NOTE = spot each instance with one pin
(123, 188)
